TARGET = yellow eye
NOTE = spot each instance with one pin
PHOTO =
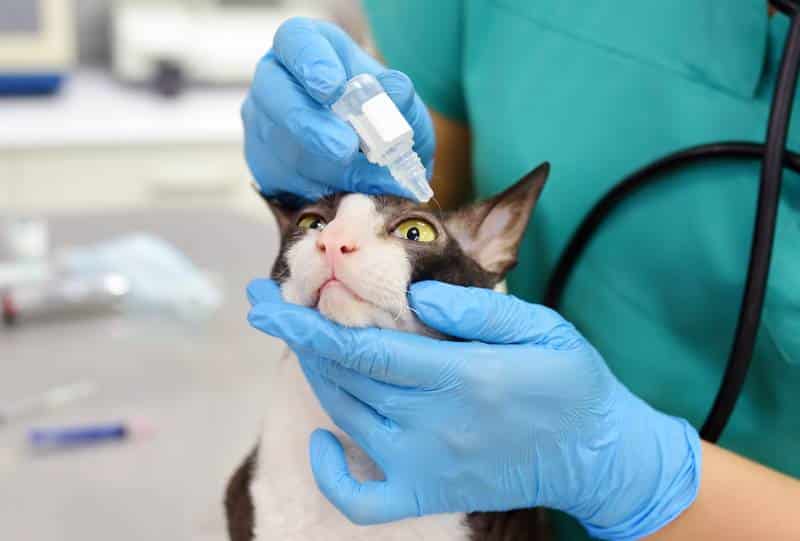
(311, 221)
(416, 230)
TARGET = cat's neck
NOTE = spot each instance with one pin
(286, 501)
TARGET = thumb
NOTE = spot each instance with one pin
(399, 88)
(362, 503)
(487, 316)
(310, 57)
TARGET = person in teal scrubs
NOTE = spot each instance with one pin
(598, 90)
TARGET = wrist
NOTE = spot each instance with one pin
(657, 476)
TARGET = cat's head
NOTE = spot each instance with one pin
(353, 256)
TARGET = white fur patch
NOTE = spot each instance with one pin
(289, 506)
(377, 272)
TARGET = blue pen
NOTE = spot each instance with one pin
(73, 436)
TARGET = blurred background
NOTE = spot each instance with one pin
(130, 383)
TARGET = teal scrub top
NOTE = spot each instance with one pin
(599, 89)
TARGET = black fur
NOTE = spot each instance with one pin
(517, 525)
(450, 265)
(239, 507)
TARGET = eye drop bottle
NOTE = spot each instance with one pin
(386, 137)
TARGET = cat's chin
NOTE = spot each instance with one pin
(341, 305)
(344, 307)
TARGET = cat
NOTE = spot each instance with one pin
(353, 256)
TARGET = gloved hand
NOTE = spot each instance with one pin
(526, 413)
(293, 142)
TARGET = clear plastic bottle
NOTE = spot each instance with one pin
(386, 138)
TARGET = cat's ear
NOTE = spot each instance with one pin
(283, 212)
(490, 231)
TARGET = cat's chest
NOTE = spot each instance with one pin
(288, 505)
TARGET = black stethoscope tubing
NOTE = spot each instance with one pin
(774, 157)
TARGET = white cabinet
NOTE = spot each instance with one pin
(102, 145)
(84, 178)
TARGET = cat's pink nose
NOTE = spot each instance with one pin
(333, 243)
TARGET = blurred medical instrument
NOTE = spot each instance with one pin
(174, 42)
(386, 137)
(136, 273)
(774, 156)
(24, 251)
(34, 287)
(26, 238)
(37, 45)
(64, 295)
(162, 280)
(74, 436)
(49, 400)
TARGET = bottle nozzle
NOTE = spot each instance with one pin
(409, 172)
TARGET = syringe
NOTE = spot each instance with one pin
(386, 137)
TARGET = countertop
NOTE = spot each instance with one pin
(202, 386)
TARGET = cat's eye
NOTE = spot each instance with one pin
(311, 221)
(416, 230)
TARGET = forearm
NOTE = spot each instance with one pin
(738, 500)
(452, 174)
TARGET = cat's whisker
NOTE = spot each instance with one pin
(410, 309)
(441, 210)
(387, 294)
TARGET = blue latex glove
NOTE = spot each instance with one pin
(525, 413)
(293, 142)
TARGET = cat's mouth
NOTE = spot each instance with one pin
(333, 283)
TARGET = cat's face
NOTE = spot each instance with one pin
(353, 256)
